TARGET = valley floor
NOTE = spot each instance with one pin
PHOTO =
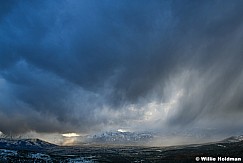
(104, 153)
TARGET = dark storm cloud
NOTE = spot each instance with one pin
(68, 61)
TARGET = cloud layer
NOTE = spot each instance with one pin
(82, 66)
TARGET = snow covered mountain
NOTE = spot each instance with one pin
(33, 150)
(121, 137)
(233, 139)
(24, 144)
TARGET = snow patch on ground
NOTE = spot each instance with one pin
(6, 152)
(40, 156)
(78, 160)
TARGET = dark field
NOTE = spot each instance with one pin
(108, 153)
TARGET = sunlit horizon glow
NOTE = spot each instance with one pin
(122, 130)
(69, 135)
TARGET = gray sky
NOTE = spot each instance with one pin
(86, 66)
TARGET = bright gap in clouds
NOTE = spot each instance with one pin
(69, 135)
(122, 130)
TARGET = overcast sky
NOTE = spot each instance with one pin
(89, 65)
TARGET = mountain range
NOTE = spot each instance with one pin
(36, 150)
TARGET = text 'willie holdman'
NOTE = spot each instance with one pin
(218, 159)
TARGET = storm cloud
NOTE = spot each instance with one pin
(82, 66)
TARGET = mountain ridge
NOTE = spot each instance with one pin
(36, 150)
